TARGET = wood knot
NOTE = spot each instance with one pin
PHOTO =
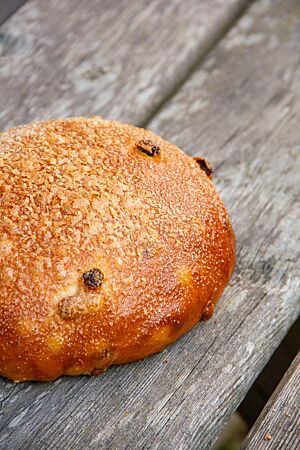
(204, 165)
(147, 147)
(93, 278)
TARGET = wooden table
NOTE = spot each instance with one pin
(220, 78)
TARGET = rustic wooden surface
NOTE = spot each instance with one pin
(119, 58)
(278, 426)
(240, 108)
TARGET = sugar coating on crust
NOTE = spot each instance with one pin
(79, 194)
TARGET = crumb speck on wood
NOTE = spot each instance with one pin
(267, 437)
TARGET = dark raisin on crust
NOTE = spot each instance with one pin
(93, 278)
(147, 147)
(204, 165)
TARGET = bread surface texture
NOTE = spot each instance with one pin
(113, 243)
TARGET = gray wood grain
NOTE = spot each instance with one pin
(115, 58)
(278, 426)
(240, 109)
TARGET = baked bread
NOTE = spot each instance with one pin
(113, 243)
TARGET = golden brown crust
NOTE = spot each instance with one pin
(78, 195)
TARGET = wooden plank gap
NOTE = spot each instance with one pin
(203, 54)
(8, 8)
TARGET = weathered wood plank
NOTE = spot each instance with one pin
(244, 101)
(278, 426)
(115, 58)
(8, 7)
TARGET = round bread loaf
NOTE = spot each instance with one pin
(113, 243)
